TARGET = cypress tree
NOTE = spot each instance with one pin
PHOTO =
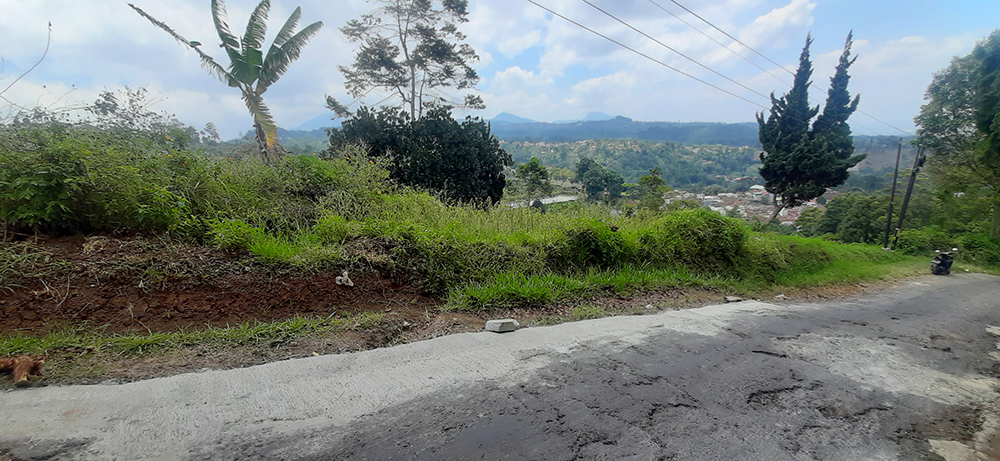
(799, 164)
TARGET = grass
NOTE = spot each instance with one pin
(254, 334)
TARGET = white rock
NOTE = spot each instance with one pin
(502, 325)
(343, 280)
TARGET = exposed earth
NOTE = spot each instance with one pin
(136, 284)
(910, 373)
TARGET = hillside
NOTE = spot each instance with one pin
(730, 134)
(681, 165)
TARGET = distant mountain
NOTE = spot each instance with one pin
(504, 117)
(596, 117)
(318, 122)
(730, 134)
(290, 135)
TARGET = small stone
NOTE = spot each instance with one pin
(343, 280)
(733, 299)
(502, 325)
(650, 306)
(781, 296)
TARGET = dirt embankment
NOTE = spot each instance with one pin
(137, 284)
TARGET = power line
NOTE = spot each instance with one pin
(744, 57)
(645, 55)
(675, 51)
(781, 67)
(689, 58)
(719, 43)
(730, 36)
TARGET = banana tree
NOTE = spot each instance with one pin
(250, 69)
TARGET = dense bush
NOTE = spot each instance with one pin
(699, 238)
(69, 179)
(590, 243)
(458, 161)
(972, 247)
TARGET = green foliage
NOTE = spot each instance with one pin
(700, 239)
(250, 69)
(597, 181)
(799, 164)
(809, 220)
(650, 191)
(414, 50)
(590, 243)
(855, 218)
(78, 179)
(972, 247)
(688, 167)
(959, 126)
(255, 334)
(458, 161)
(234, 234)
(534, 178)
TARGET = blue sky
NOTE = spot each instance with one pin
(532, 64)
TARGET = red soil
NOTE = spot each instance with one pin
(136, 284)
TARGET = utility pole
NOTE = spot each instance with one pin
(917, 163)
(892, 198)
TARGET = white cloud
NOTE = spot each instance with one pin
(771, 25)
(514, 45)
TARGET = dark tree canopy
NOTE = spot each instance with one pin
(413, 49)
(960, 125)
(598, 181)
(457, 161)
(987, 55)
(799, 163)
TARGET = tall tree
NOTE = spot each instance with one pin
(249, 69)
(799, 164)
(958, 125)
(413, 49)
(598, 181)
(534, 178)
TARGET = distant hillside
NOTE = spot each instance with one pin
(682, 166)
(881, 153)
(504, 117)
(729, 134)
(319, 122)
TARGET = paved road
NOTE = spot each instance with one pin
(911, 373)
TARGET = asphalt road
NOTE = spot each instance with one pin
(911, 373)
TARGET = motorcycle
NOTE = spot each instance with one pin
(941, 264)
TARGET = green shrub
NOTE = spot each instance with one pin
(923, 242)
(589, 243)
(978, 248)
(234, 234)
(40, 175)
(333, 229)
(699, 238)
(442, 264)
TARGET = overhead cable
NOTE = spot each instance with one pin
(675, 51)
(645, 55)
(719, 43)
(776, 64)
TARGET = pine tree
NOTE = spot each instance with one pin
(799, 164)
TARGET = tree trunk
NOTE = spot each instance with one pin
(777, 210)
(261, 139)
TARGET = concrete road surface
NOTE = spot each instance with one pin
(911, 373)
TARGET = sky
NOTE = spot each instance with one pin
(531, 63)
